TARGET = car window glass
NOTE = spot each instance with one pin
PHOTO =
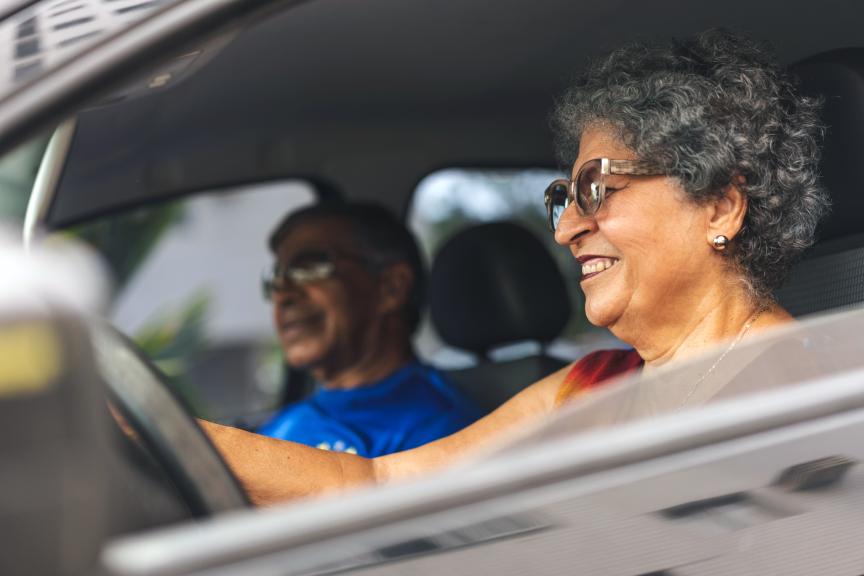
(188, 291)
(46, 34)
(18, 169)
(451, 200)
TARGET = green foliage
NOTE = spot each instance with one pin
(18, 169)
(172, 340)
(125, 240)
(269, 370)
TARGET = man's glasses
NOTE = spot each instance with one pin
(304, 268)
(588, 188)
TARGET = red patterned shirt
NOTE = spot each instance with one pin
(595, 369)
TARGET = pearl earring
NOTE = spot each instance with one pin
(720, 242)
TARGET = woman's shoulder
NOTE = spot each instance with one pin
(550, 392)
(594, 369)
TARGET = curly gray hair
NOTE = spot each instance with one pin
(711, 109)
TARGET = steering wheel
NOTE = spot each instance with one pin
(140, 392)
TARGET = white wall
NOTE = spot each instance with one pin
(219, 247)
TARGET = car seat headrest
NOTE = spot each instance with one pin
(496, 284)
(838, 78)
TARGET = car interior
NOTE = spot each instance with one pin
(828, 278)
(362, 101)
(496, 284)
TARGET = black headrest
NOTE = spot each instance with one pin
(838, 77)
(496, 284)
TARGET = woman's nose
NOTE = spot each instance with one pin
(573, 225)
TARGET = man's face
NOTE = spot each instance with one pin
(323, 324)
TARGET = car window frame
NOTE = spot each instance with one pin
(49, 99)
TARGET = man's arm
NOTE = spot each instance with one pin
(274, 470)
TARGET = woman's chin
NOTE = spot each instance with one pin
(601, 316)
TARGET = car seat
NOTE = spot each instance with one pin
(56, 511)
(492, 285)
(831, 275)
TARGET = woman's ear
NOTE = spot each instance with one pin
(726, 212)
(394, 287)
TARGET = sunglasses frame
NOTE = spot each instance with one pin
(607, 167)
(328, 269)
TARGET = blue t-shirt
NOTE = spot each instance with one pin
(413, 406)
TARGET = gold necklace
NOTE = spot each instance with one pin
(720, 358)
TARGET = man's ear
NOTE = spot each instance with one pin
(394, 287)
(726, 212)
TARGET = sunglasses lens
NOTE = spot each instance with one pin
(556, 201)
(311, 266)
(589, 187)
(310, 272)
(304, 268)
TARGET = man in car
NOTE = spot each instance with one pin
(347, 294)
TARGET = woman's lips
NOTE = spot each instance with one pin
(595, 265)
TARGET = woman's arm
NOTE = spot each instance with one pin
(527, 406)
(274, 470)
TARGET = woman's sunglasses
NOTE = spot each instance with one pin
(588, 188)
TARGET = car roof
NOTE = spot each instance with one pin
(368, 98)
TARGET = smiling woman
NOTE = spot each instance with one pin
(694, 190)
